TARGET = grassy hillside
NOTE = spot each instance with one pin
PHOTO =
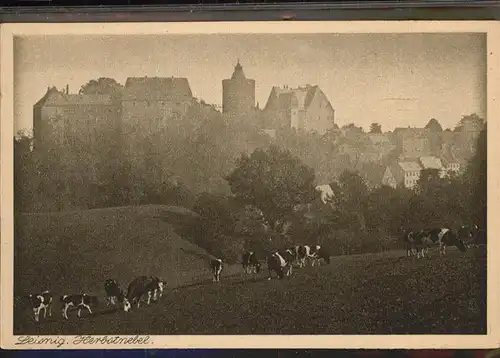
(76, 251)
(363, 294)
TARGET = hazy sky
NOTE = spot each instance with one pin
(393, 79)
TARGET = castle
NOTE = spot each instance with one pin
(147, 104)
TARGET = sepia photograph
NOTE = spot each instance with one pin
(248, 183)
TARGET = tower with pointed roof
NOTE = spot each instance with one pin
(238, 93)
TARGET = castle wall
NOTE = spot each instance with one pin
(84, 122)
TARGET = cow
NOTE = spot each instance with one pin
(323, 255)
(421, 243)
(251, 263)
(41, 301)
(278, 261)
(157, 288)
(216, 267)
(446, 237)
(80, 301)
(114, 293)
(470, 235)
(307, 252)
(139, 287)
(409, 242)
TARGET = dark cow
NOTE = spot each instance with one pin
(465, 233)
(80, 301)
(216, 266)
(469, 235)
(409, 242)
(446, 237)
(139, 287)
(307, 252)
(295, 251)
(114, 293)
(41, 301)
(251, 263)
(323, 255)
(278, 262)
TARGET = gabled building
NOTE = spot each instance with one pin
(303, 109)
(402, 174)
(148, 103)
(64, 117)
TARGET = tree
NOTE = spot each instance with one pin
(274, 181)
(427, 178)
(375, 128)
(475, 178)
(23, 172)
(354, 192)
(102, 85)
(471, 117)
(434, 125)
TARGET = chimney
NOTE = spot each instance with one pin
(67, 89)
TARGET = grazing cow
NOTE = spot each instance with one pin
(278, 261)
(446, 237)
(114, 293)
(216, 266)
(139, 287)
(80, 301)
(323, 255)
(307, 252)
(41, 301)
(470, 235)
(251, 263)
(275, 263)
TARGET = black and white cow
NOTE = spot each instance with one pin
(41, 301)
(114, 293)
(446, 237)
(80, 301)
(278, 262)
(251, 263)
(307, 252)
(216, 266)
(140, 287)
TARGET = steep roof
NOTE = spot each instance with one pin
(156, 88)
(409, 166)
(302, 95)
(431, 162)
(397, 172)
(53, 97)
(238, 73)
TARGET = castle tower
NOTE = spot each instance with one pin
(238, 93)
